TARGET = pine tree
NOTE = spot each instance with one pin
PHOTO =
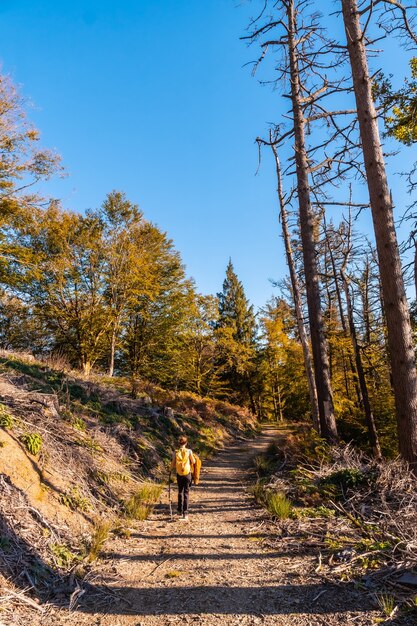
(236, 334)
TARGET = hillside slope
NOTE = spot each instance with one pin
(73, 454)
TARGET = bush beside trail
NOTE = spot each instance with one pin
(357, 515)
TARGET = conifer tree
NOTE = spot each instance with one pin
(236, 333)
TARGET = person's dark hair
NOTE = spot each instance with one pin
(182, 440)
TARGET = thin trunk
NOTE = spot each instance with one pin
(110, 371)
(318, 340)
(281, 414)
(251, 398)
(86, 365)
(308, 361)
(343, 322)
(366, 303)
(369, 417)
(400, 342)
(415, 266)
(274, 401)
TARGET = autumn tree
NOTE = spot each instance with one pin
(64, 280)
(156, 315)
(23, 164)
(284, 391)
(196, 350)
(127, 268)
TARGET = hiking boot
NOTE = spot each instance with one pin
(185, 517)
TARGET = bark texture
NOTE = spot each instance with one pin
(308, 361)
(318, 340)
(400, 343)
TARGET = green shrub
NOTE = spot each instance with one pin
(314, 512)
(74, 500)
(386, 603)
(279, 505)
(306, 447)
(78, 423)
(264, 465)
(6, 418)
(63, 555)
(32, 442)
(337, 483)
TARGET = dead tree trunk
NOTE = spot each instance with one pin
(369, 417)
(318, 340)
(400, 343)
(308, 362)
(343, 319)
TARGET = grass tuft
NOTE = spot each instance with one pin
(279, 505)
(98, 538)
(140, 505)
(386, 603)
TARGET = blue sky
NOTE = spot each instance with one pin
(151, 97)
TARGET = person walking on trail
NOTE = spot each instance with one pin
(183, 462)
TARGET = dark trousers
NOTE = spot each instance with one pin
(184, 484)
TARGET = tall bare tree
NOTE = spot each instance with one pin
(302, 59)
(404, 377)
(308, 361)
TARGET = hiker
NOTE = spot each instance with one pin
(183, 462)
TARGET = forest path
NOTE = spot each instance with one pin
(214, 569)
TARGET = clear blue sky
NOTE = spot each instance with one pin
(151, 97)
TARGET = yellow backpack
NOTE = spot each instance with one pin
(182, 461)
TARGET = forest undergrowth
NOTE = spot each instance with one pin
(359, 516)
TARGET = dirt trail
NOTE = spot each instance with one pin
(214, 569)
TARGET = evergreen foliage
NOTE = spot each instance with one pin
(236, 337)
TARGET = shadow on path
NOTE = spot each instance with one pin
(271, 600)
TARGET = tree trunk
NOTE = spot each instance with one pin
(281, 413)
(318, 340)
(400, 343)
(369, 417)
(86, 365)
(308, 362)
(110, 371)
(343, 322)
(415, 267)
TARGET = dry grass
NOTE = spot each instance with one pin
(358, 516)
(140, 504)
(98, 538)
